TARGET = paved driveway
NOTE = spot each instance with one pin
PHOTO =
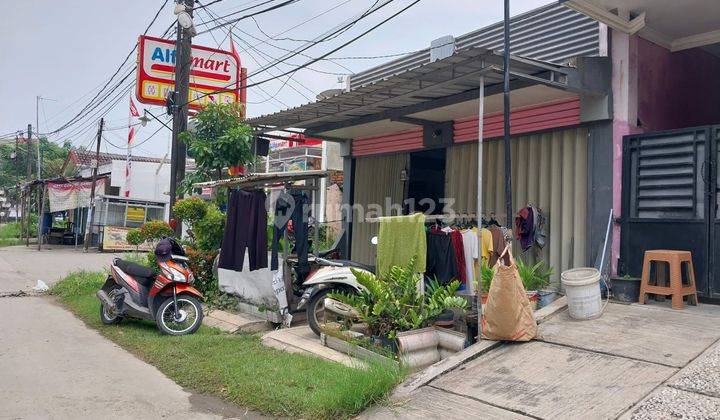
(633, 362)
(52, 366)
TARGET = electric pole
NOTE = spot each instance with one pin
(88, 228)
(26, 214)
(178, 150)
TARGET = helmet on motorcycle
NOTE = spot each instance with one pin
(163, 250)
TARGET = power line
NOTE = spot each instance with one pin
(117, 71)
(269, 9)
(334, 50)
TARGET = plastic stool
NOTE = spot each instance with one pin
(676, 289)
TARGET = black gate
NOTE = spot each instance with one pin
(670, 193)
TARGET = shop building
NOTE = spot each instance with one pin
(409, 131)
(613, 107)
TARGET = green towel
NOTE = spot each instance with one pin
(400, 238)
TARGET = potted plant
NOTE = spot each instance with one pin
(392, 304)
(534, 278)
(625, 288)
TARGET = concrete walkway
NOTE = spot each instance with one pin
(633, 362)
(52, 366)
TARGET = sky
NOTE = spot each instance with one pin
(65, 52)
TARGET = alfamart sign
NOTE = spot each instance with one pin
(215, 76)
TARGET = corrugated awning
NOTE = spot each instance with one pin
(417, 87)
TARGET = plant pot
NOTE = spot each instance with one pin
(533, 297)
(625, 289)
(418, 348)
(546, 297)
(445, 319)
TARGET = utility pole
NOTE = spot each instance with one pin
(506, 115)
(178, 150)
(26, 214)
(88, 231)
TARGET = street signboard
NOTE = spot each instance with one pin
(215, 76)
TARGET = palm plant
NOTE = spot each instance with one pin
(393, 304)
(536, 276)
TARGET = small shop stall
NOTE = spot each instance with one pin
(117, 215)
(63, 219)
(265, 289)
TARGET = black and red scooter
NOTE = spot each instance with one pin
(135, 291)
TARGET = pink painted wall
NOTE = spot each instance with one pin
(522, 120)
(676, 90)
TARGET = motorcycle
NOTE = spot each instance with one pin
(169, 299)
(325, 277)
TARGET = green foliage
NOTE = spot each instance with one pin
(201, 264)
(220, 140)
(238, 367)
(208, 231)
(135, 237)
(488, 273)
(536, 276)
(190, 210)
(392, 305)
(155, 230)
(10, 230)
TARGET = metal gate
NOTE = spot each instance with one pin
(670, 193)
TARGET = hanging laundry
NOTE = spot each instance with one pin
(525, 227)
(245, 231)
(441, 261)
(457, 243)
(540, 234)
(498, 245)
(399, 239)
(292, 207)
(471, 252)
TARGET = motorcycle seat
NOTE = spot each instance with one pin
(355, 264)
(142, 274)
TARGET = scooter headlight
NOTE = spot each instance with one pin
(175, 275)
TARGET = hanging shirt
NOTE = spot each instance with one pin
(441, 263)
(470, 249)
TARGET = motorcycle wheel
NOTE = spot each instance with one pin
(316, 309)
(108, 317)
(191, 316)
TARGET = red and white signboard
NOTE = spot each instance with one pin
(215, 77)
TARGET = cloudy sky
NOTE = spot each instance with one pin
(66, 51)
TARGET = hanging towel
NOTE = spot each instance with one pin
(399, 239)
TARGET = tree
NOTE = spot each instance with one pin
(221, 139)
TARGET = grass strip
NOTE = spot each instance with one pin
(237, 367)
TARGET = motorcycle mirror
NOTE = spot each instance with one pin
(374, 240)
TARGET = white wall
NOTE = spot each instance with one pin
(146, 182)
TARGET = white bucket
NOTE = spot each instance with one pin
(582, 288)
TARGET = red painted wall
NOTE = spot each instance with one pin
(676, 90)
(524, 120)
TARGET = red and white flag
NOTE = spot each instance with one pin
(131, 135)
(133, 109)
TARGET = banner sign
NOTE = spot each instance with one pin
(71, 195)
(135, 214)
(215, 75)
(115, 239)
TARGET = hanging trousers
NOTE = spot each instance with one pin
(245, 230)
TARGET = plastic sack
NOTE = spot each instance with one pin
(507, 313)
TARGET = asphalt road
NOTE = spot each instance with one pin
(52, 366)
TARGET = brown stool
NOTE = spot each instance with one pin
(675, 259)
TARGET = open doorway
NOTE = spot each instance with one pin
(426, 182)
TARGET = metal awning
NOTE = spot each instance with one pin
(443, 82)
(263, 178)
